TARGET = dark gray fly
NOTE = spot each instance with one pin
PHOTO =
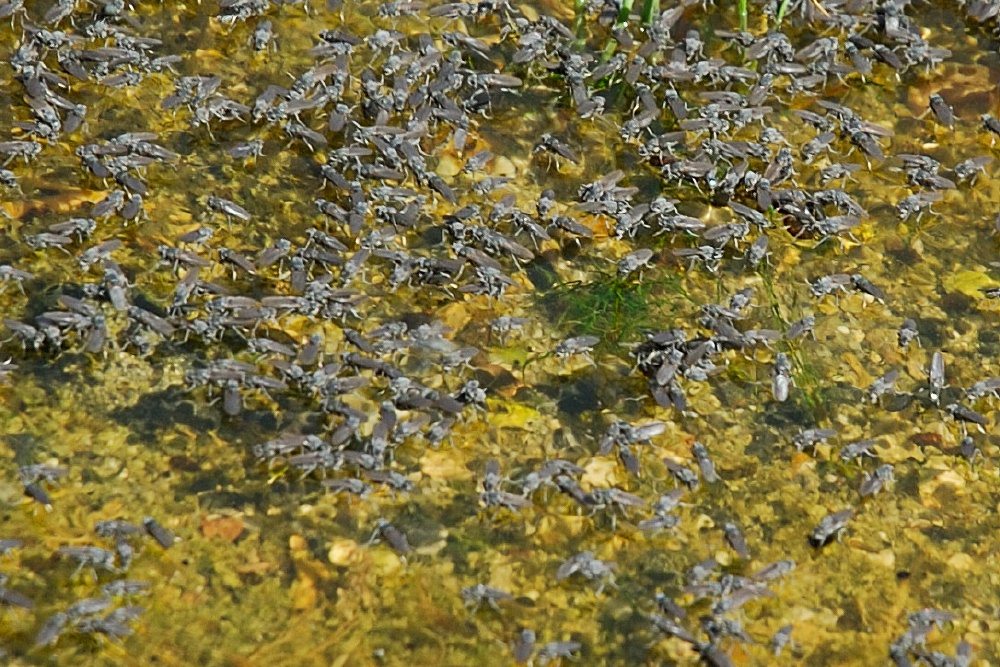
(942, 111)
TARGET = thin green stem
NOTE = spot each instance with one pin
(580, 17)
(625, 11)
(782, 8)
(609, 50)
(650, 10)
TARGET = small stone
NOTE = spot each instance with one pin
(345, 552)
(229, 528)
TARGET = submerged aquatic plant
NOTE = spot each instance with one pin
(611, 307)
(650, 9)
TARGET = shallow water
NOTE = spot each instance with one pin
(270, 567)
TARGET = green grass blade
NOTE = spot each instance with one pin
(650, 10)
(782, 8)
(626, 10)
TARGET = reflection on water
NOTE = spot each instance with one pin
(375, 304)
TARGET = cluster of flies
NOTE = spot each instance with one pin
(100, 616)
(372, 111)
